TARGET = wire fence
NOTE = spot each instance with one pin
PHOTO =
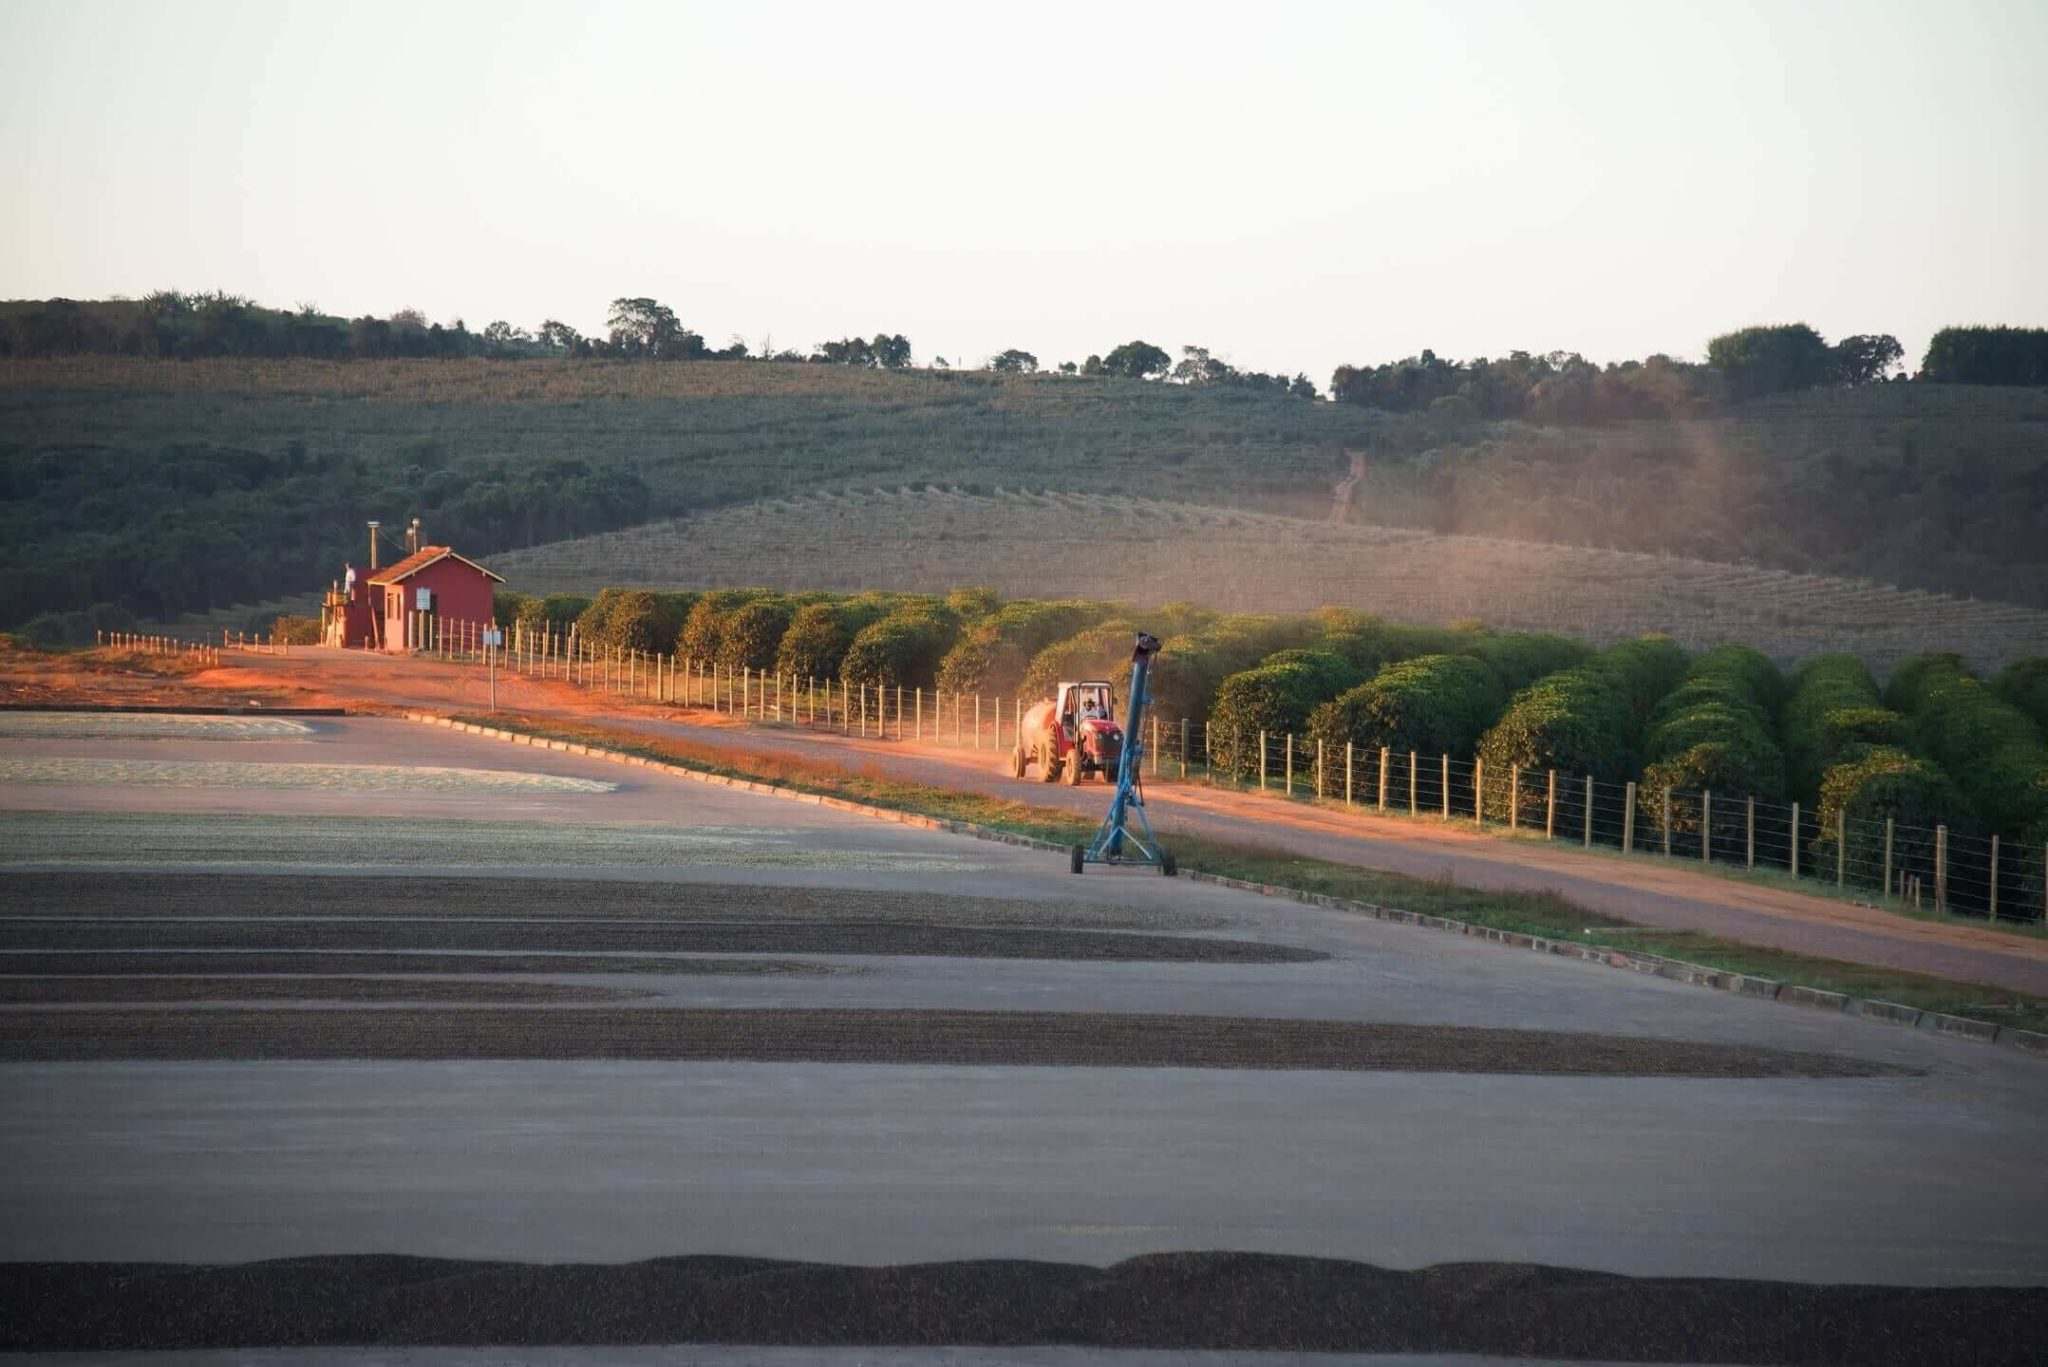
(1919, 867)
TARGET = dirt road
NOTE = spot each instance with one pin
(1645, 891)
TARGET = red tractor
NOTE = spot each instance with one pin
(1072, 736)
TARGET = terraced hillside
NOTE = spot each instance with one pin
(1027, 544)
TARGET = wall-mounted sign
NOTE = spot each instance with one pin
(424, 600)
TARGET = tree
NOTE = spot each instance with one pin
(846, 351)
(1985, 355)
(1198, 367)
(647, 327)
(1067, 367)
(1137, 361)
(890, 353)
(1782, 359)
(1015, 361)
(1302, 387)
(556, 335)
(1866, 358)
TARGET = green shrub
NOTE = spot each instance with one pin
(1576, 721)
(297, 631)
(1191, 667)
(1646, 669)
(1519, 659)
(752, 633)
(973, 604)
(1275, 697)
(1433, 705)
(1871, 784)
(1834, 705)
(630, 619)
(704, 629)
(1714, 732)
(508, 607)
(814, 646)
(560, 610)
(1989, 747)
(901, 650)
(1103, 651)
(993, 655)
(2024, 684)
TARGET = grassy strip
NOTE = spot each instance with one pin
(1536, 913)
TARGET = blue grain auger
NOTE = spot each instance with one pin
(1118, 842)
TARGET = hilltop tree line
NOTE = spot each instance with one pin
(1563, 387)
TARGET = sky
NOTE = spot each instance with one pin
(1292, 186)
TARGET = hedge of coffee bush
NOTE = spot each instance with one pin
(1432, 704)
(1192, 665)
(2024, 684)
(634, 619)
(993, 655)
(1834, 710)
(903, 649)
(704, 629)
(819, 634)
(1989, 747)
(1274, 699)
(751, 634)
(1715, 732)
(1871, 784)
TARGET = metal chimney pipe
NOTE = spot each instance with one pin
(373, 543)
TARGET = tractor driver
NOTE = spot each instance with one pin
(1092, 709)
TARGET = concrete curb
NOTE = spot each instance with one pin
(1676, 970)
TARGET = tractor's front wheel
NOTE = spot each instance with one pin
(1048, 767)
(1075, 767)
(1017, 762)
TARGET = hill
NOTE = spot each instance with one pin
(165, 487)
(1059, 545)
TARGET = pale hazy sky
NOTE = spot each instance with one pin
(1291, 185)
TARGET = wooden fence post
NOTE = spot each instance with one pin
(1795, 840)
(1992, 881)
(1749, 834)
(1319, 768)
(1290, 764)
(1842, 847)
(1385, 755)
(1667, 821)
(1412, 784)
(1514, 797)
(1347, 773)
(1445, 772)
(1707, 826)
(1589, 811)
(1941, 869)
(1262, 761)
(1155, 745)
(1888, 856)
(1478, 792)
(1183, 748)
(1628, 821)
(1550, 807)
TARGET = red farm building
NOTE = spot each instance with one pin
(431, 595)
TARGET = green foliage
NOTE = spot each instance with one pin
(1520, 658)
(1646, 670)
(1103, 651)
(1577, 722)
(1876, 782)
(560, 610)
(901, 650)
(508, 607)
(1834, 705)
(1990, 748)
(993, 655)
(1433, 704)
(1986, 355)
(814, 646)
(296, 631)
(972, 604)
(1561, 387)
(1191, 667)
(1758, 361)
(703, 631)
(1715, 731)
(2024, 684)
(1276, 697)
(632, 619)
(751, 634)
(1136, 361)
